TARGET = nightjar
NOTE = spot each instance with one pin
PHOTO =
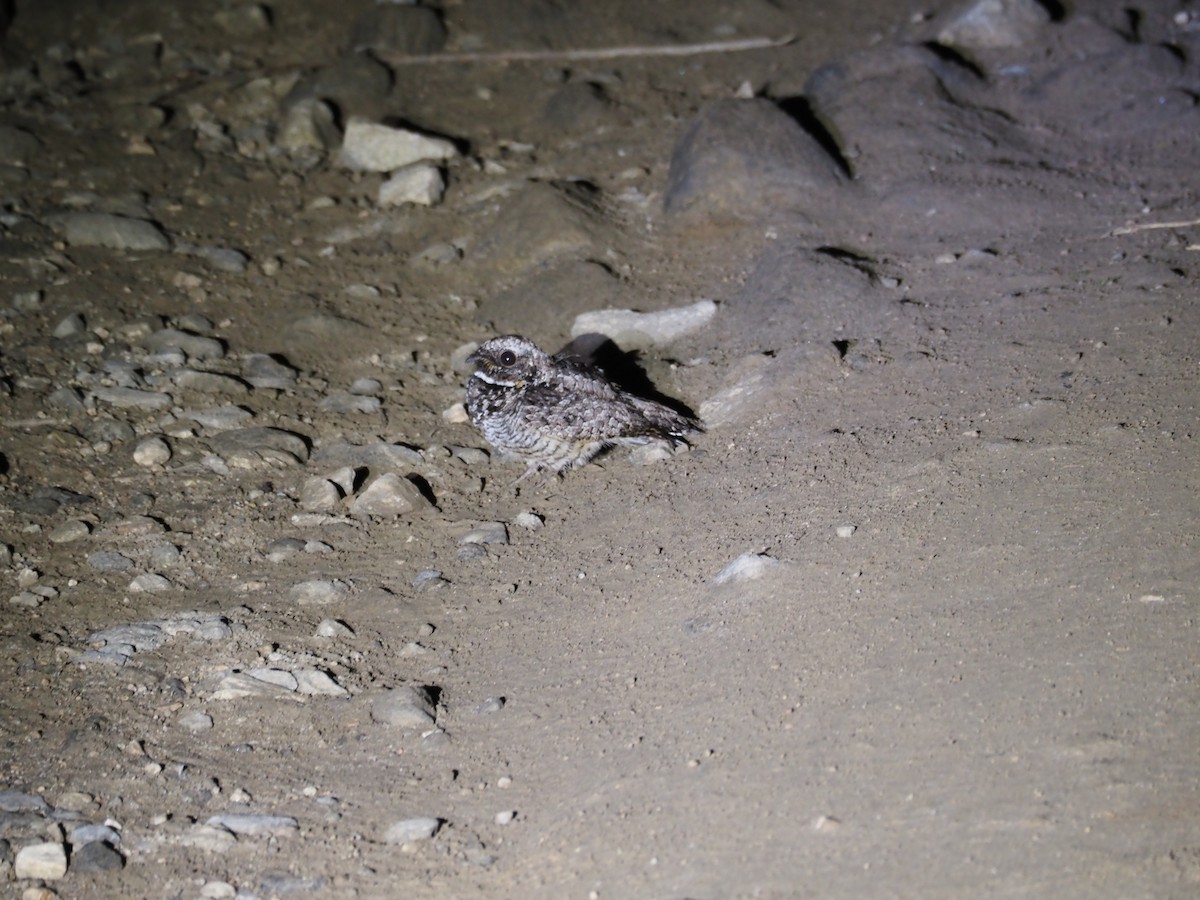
(555, 413)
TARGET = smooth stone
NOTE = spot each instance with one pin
(67, 399)
(255, 825)
(428, 578)
(96, 856)
(281, 549)
(308, 124)
(224, 259)
(746, 567)
(152, 451)
(994, 24)
(133, 398)
(529, 521)
(20, 801)
(254, 447)
(238, 685)
(420, 184)
(96, 229)
(634, 330)
(264, 371)
(211, 838)
(320, 495)
(89, 833)
(150, 582)
(47, 861)
(277, 677)
(218, 418)
(389, 495)
(378, 455)
(343, 403)
(370, 147)
(404, 707)
(195, 721)
(317, 683)
(194, 346)
(109, 561)
(74, 530)
(486, 533)
(333, 628)
(209, 383)
(420, 828)
(72, 326)
(739, 159)
(318, 592)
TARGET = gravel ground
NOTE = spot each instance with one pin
(915, 616)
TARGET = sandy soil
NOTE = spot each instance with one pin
(951, 393)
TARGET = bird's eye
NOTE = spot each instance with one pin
(508, 358)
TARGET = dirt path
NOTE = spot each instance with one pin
(915, 617)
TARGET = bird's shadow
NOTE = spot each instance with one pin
(621, 367)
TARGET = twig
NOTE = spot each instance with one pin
(1152, 226)
(758, 43)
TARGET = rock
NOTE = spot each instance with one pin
(486, 533)
(318, 592)
(277, 677)
(72, 326)
(634, 330)
(309, 124)
(89, 833)
(399, 28)
(427, 579)
(505, 817)
(420, 828)
(370, 147)
(404, 707)
(845, 531)
(740, 159)
(320, 495)
(195, 721)
(389, 495)
(237, 685)
(223, 259)
(195, 346)
(72, 530)
(577, 106)
(746, 567)
(211, 838)
(255, 825)
(47, 861)
(379, 455)
(109, 561)
(420, 184)
(96, 857)
(258, 447)
(334, 628)
(529, 521)
(314, 682)
(243, 20)
(541, 221)
(209, 383)
(281, 549)
(20, 801)
(344, 403)
(150, 582)
(994, 24)
(152, 451)
(218, 418)
(95, 229)
(263, 371)
(132, 398)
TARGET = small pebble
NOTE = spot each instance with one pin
(149, 582)
(318, 592)
(73, 530)
(529, 521)
(404, 707)
(845, 531)
(332, 628)
(746, 567)
(486, 533)
(506, 816)
(96, 857)
(109, 561)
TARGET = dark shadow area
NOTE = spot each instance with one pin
(621, 367)
(801, 110)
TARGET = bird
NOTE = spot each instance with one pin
(556, 413)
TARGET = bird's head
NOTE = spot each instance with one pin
(508, 361)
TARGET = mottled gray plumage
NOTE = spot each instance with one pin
(555, 413)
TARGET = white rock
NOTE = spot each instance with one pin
(150, 582)
(332, 628)
(455, 415)
(420, 184)
(388, 495)
(369, 147)
(991, 24)
(317, 683)
(405, 707)
(845, 531)
(318, 592)
(631, 329)
(420, 828)
(48, 861)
